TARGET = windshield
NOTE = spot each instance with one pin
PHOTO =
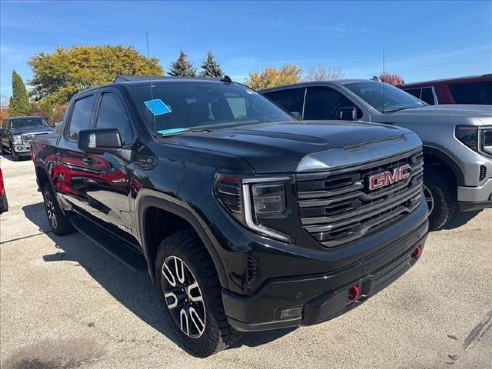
(176, 107)
(384, 97)
(26, 122)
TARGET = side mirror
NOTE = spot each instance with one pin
(99, 141)
(296, 115)
(347, 113)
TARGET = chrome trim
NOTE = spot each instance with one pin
(266, 179)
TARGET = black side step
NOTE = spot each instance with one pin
(112, 245)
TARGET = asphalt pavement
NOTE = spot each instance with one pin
(65, 303)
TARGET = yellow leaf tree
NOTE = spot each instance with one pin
(60, 75)
(271, 77)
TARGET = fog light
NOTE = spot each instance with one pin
(291, 313)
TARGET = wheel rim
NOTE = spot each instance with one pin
(183, 297)
(50, 209)
(429, 199)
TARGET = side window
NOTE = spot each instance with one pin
(472, 93)
(414, 91)
(112, 115)
(290, 100)
(5, 124)
(427, 96)
(81, 117)
(324, 103)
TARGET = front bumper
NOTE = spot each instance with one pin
(307, 300)
(22, 149)
(475, 198)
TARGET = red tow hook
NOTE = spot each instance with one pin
(354, 293)
(416, 253)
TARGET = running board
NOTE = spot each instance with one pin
(112, 245)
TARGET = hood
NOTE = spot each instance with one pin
(31, 130)
(296, 146)
(443, 112)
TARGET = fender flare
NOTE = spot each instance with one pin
(150, 198)
(444, 157)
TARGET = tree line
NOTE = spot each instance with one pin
(67, 71)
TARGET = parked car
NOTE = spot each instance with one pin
(16, 134)
(465, 90)
(246, 219)
(4, 205)
(457, 139)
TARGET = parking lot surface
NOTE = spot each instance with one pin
(65, 303)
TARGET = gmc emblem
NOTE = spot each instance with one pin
(387, 178)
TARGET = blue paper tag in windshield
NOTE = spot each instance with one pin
(157, 107)
(171, 131)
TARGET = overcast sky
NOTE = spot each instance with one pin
(421, 40)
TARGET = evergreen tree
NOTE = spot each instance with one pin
(211, 68)
(182, 67)
(19, 102)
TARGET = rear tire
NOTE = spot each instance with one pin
(59, 222)
(440, 191)
(191, 295)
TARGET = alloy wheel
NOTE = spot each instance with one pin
(50, 209)
(429, 199)
(183, 297)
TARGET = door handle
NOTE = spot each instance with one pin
(88, 161)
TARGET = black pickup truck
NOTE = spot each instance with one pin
(245, 218)
(16, 134)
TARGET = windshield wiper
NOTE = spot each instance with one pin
(395, 109)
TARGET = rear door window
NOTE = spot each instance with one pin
(81, 117)
(427, 96)
(472, 93)
(290, 100)
(415, 92)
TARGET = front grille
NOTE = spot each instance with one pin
(337, 207)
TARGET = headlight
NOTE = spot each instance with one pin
(487, 140)
(251, 200)
(16, 140)
(268, 199)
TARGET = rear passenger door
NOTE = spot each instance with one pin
(291, 100)
(72, 167)
(325, 103)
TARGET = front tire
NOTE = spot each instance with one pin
(191, 295)
(59, 222)
(440, 195)
(15, 156)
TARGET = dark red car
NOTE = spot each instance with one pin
(465, 90)
(4, 205)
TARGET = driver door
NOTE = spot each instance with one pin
(325, 103)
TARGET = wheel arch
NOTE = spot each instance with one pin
(42, 176)
(434, 156)
(150, 203)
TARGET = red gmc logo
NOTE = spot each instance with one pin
(387, 178)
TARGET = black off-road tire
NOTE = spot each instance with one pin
(59, 222)
(442, 188)
(15, 156)
(217, 333)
